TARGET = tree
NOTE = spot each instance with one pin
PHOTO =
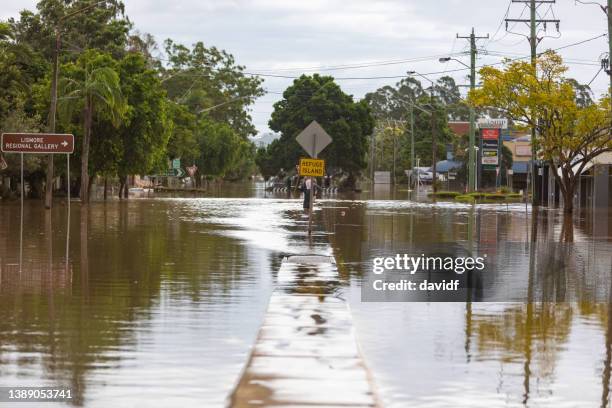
(265, 163)
(17, 121)
(394, 103)
(319, 98)
(145, 129)
(91, 87)
(569, 133)
(201, 78)
(219, 145)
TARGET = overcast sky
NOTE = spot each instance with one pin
(290, 37)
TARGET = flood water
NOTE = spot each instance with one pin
(158, 301)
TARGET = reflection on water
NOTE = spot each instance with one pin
(161, 299)
(537, 354)
(155, 298)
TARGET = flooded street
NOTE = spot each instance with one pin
(161, 299)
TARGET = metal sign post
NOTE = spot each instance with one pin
(313, 140)
(21, 221)
(68, 204)
(38, 143)
(312, 188)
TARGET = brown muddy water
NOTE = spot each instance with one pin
(159, 301)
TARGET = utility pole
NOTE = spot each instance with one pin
(471, 152)
(533, 23)
(434, 143)
(411, 142)
(608, 11)
(52, 116)
(53, 105)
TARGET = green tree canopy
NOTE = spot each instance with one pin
(319, 98)
(570, 131)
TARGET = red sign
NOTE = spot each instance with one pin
(45, 143)
(490, 134)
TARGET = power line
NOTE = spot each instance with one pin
(402, 76)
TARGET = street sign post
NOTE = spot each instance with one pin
(38, 143)
(313, 140)
(312, 167)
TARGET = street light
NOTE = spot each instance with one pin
(447, 59)
(53, 106)
(434, 143)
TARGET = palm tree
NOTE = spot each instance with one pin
(93, 87)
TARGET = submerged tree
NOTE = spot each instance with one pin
(570, 131)
(319, 98)
(91, 87)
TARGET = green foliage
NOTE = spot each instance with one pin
(17, 121)
(219, 145)
(444, 194)
(201, 78)
(319, 98)
(92, 83)
(146, 129)
(265, 163)
(570, 130)
(128, 111)
(396, 103)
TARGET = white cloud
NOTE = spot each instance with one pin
(291, 34)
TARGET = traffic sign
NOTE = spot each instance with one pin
(42, 143)
(179, 173)
(312, 167)
(176, 164)
(313, 139)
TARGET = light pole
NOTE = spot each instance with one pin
(472, 137)
(434, 144)
(53, 105)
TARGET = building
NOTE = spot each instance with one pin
(594, 191)
(520, 146)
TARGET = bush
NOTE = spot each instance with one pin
(494, 196)
(465, 198)
(444, 194)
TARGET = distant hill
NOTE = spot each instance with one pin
(264, 139)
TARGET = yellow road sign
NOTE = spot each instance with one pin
(312, 167)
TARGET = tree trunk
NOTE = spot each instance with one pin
(91, 181)
(85, 153)
(567, 228)
(105, 188)
(126, 189)
(121, 186)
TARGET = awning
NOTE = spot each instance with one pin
(445, 165)
(520, 167)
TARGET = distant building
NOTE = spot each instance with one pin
(459, 128)
(520, 146)
(594, 188)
